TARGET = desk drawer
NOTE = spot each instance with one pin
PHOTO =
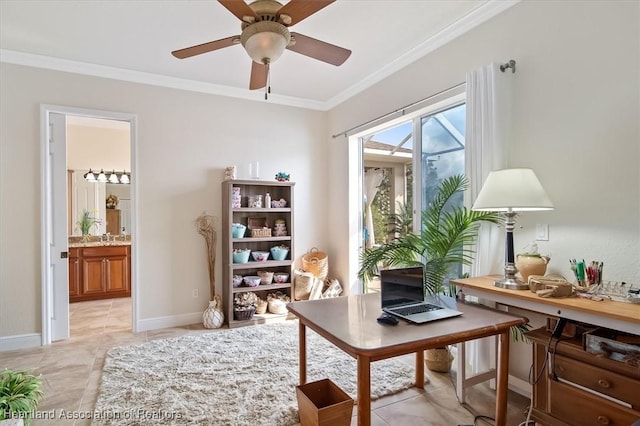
(577, 407)
(600, 380)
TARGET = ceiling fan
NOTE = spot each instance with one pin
(265, 35)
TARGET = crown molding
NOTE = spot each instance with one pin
(474, 18)
(471, 20)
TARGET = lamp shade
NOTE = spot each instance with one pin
(512, 189)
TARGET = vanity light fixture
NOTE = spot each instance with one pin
(113, 177)
(90, 176)
(124, 178)
(109, 177)
(102, 177)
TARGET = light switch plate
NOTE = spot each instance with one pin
(542, 232)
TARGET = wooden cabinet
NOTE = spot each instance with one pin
(578, 388)
(113, 222)
(100, 272)
(75, 273)
(247, 215)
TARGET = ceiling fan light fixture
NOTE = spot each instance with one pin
(265, 41)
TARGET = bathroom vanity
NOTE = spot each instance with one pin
(99, 270)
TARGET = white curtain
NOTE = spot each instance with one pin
(372, 179)
(487, 131)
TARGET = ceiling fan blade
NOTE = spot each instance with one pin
(240, 9)
(199, 49)
(301, 9)
(258, 76)
(320, 50)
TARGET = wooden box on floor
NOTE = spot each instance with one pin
(323, 403)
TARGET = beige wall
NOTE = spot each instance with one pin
(98, 148)
(575, 122)
(184, 141)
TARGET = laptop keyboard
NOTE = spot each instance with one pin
(417, 309)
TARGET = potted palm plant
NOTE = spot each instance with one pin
(20, 394)
(446, 240)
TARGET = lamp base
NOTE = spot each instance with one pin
(511, 284)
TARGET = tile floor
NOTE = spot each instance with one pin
(71, 371)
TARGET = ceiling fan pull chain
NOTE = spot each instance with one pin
(267, 87)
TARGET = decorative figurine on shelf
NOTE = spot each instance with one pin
(112, 201)
(282, 177)
(230, 173)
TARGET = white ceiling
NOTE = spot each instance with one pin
(132, 40)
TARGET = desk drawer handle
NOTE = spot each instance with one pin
(604, 383)
(603, 420)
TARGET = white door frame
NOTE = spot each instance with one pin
(46, 219)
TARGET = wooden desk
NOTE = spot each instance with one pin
(349, 322)
(615, 315)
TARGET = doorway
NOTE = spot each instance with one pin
(57, 219)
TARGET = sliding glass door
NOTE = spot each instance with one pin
(403, 164)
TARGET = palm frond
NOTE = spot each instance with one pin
(447, 239)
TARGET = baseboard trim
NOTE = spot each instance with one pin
(520, 386)
(20, 341)
(169, 321)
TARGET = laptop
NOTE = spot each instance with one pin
(402, 295)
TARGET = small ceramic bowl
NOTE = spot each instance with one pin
(238, 230)
(241, 256)
(237, 280)
(266, 277)
(260, 256)
(278, 204)
(252, 281)
(280, 277)
(279, 252)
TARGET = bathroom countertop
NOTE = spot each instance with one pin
(100, 244)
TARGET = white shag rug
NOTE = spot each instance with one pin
(243, 376)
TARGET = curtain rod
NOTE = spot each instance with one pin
(503, 67)
(399, 110)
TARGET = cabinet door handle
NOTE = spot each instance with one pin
(603, 420)
(604, 383)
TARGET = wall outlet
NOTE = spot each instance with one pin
(195, 293)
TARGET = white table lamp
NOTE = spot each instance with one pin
(510, 191)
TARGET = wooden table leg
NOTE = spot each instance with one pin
(302, 346)
(420, 369)
(502, 379)
(364, 391)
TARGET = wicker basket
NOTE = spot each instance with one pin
(316, 262)
(244, 314)
(439, 359)
(261, 232)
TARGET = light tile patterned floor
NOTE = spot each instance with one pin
(71, 370)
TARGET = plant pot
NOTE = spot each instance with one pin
(438, 360)
(12, 422)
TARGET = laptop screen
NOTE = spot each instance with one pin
(401, 286)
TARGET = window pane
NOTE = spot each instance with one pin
(442, 149)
